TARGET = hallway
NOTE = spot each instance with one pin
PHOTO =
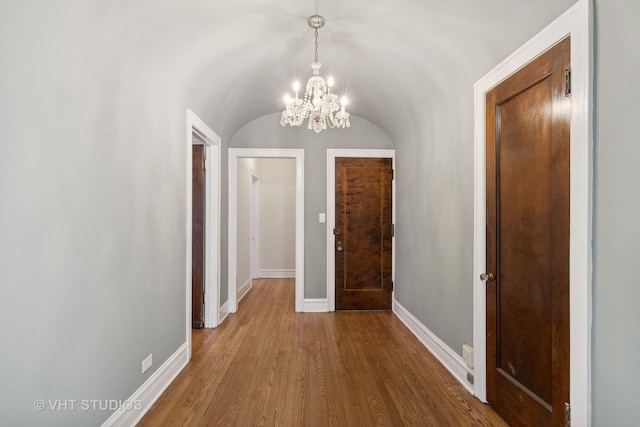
(267, 365)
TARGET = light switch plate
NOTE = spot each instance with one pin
(322, 218)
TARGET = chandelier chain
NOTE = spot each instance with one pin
(316, 45)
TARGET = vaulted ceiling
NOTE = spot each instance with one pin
(395, 60)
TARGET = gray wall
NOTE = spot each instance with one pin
(92, 207)
(616, 283)
(277, 213)
(266, 132)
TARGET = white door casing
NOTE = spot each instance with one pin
(234, 155)
(211, 141)
(255, 226)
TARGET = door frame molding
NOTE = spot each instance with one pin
(254, 251)
(212, 144)
(286, 153)
(577, 23)
(331, 212)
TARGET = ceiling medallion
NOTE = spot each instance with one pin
(319, 105)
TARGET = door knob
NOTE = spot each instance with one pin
(339, 247)
(485, 277)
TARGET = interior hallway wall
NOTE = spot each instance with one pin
(93, 183)
(616, 275)
(277, 216)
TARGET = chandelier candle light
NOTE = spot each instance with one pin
(319, 105)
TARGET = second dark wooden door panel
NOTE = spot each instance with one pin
(363, 233)
(197, 239)
(528, 242)
(524, 244)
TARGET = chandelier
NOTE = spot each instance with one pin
(319, 105)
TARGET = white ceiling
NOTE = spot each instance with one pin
(396, 60)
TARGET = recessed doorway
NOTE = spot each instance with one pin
(198, 133)
(235, 157)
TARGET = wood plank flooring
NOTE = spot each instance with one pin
(269, 366)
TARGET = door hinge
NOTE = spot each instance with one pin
(567, 82)
(567, 415)
(203, 298)
(392, 285)
(393, 174)
(393, 230)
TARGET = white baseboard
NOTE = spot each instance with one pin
(224, 312)
(150, 391)
(277, 274)
(246, 287)
(315, 305)
(449, 358)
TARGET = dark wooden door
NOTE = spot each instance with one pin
(363, 233)
(197, 240)
(528, 117)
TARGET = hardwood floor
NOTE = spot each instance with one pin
(269, 366)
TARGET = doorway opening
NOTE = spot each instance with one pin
(240, 236)
(198, 224)
(199, 134)
(265, 222)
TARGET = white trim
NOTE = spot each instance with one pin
(212, 144)
(449, 358)
(332, 154)
(298, 155)
(212, 243)
(269, 273)
(224, 312)
(255, 226)
(244, 289)
(315, 305)
(150, 390)
(576, 22)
